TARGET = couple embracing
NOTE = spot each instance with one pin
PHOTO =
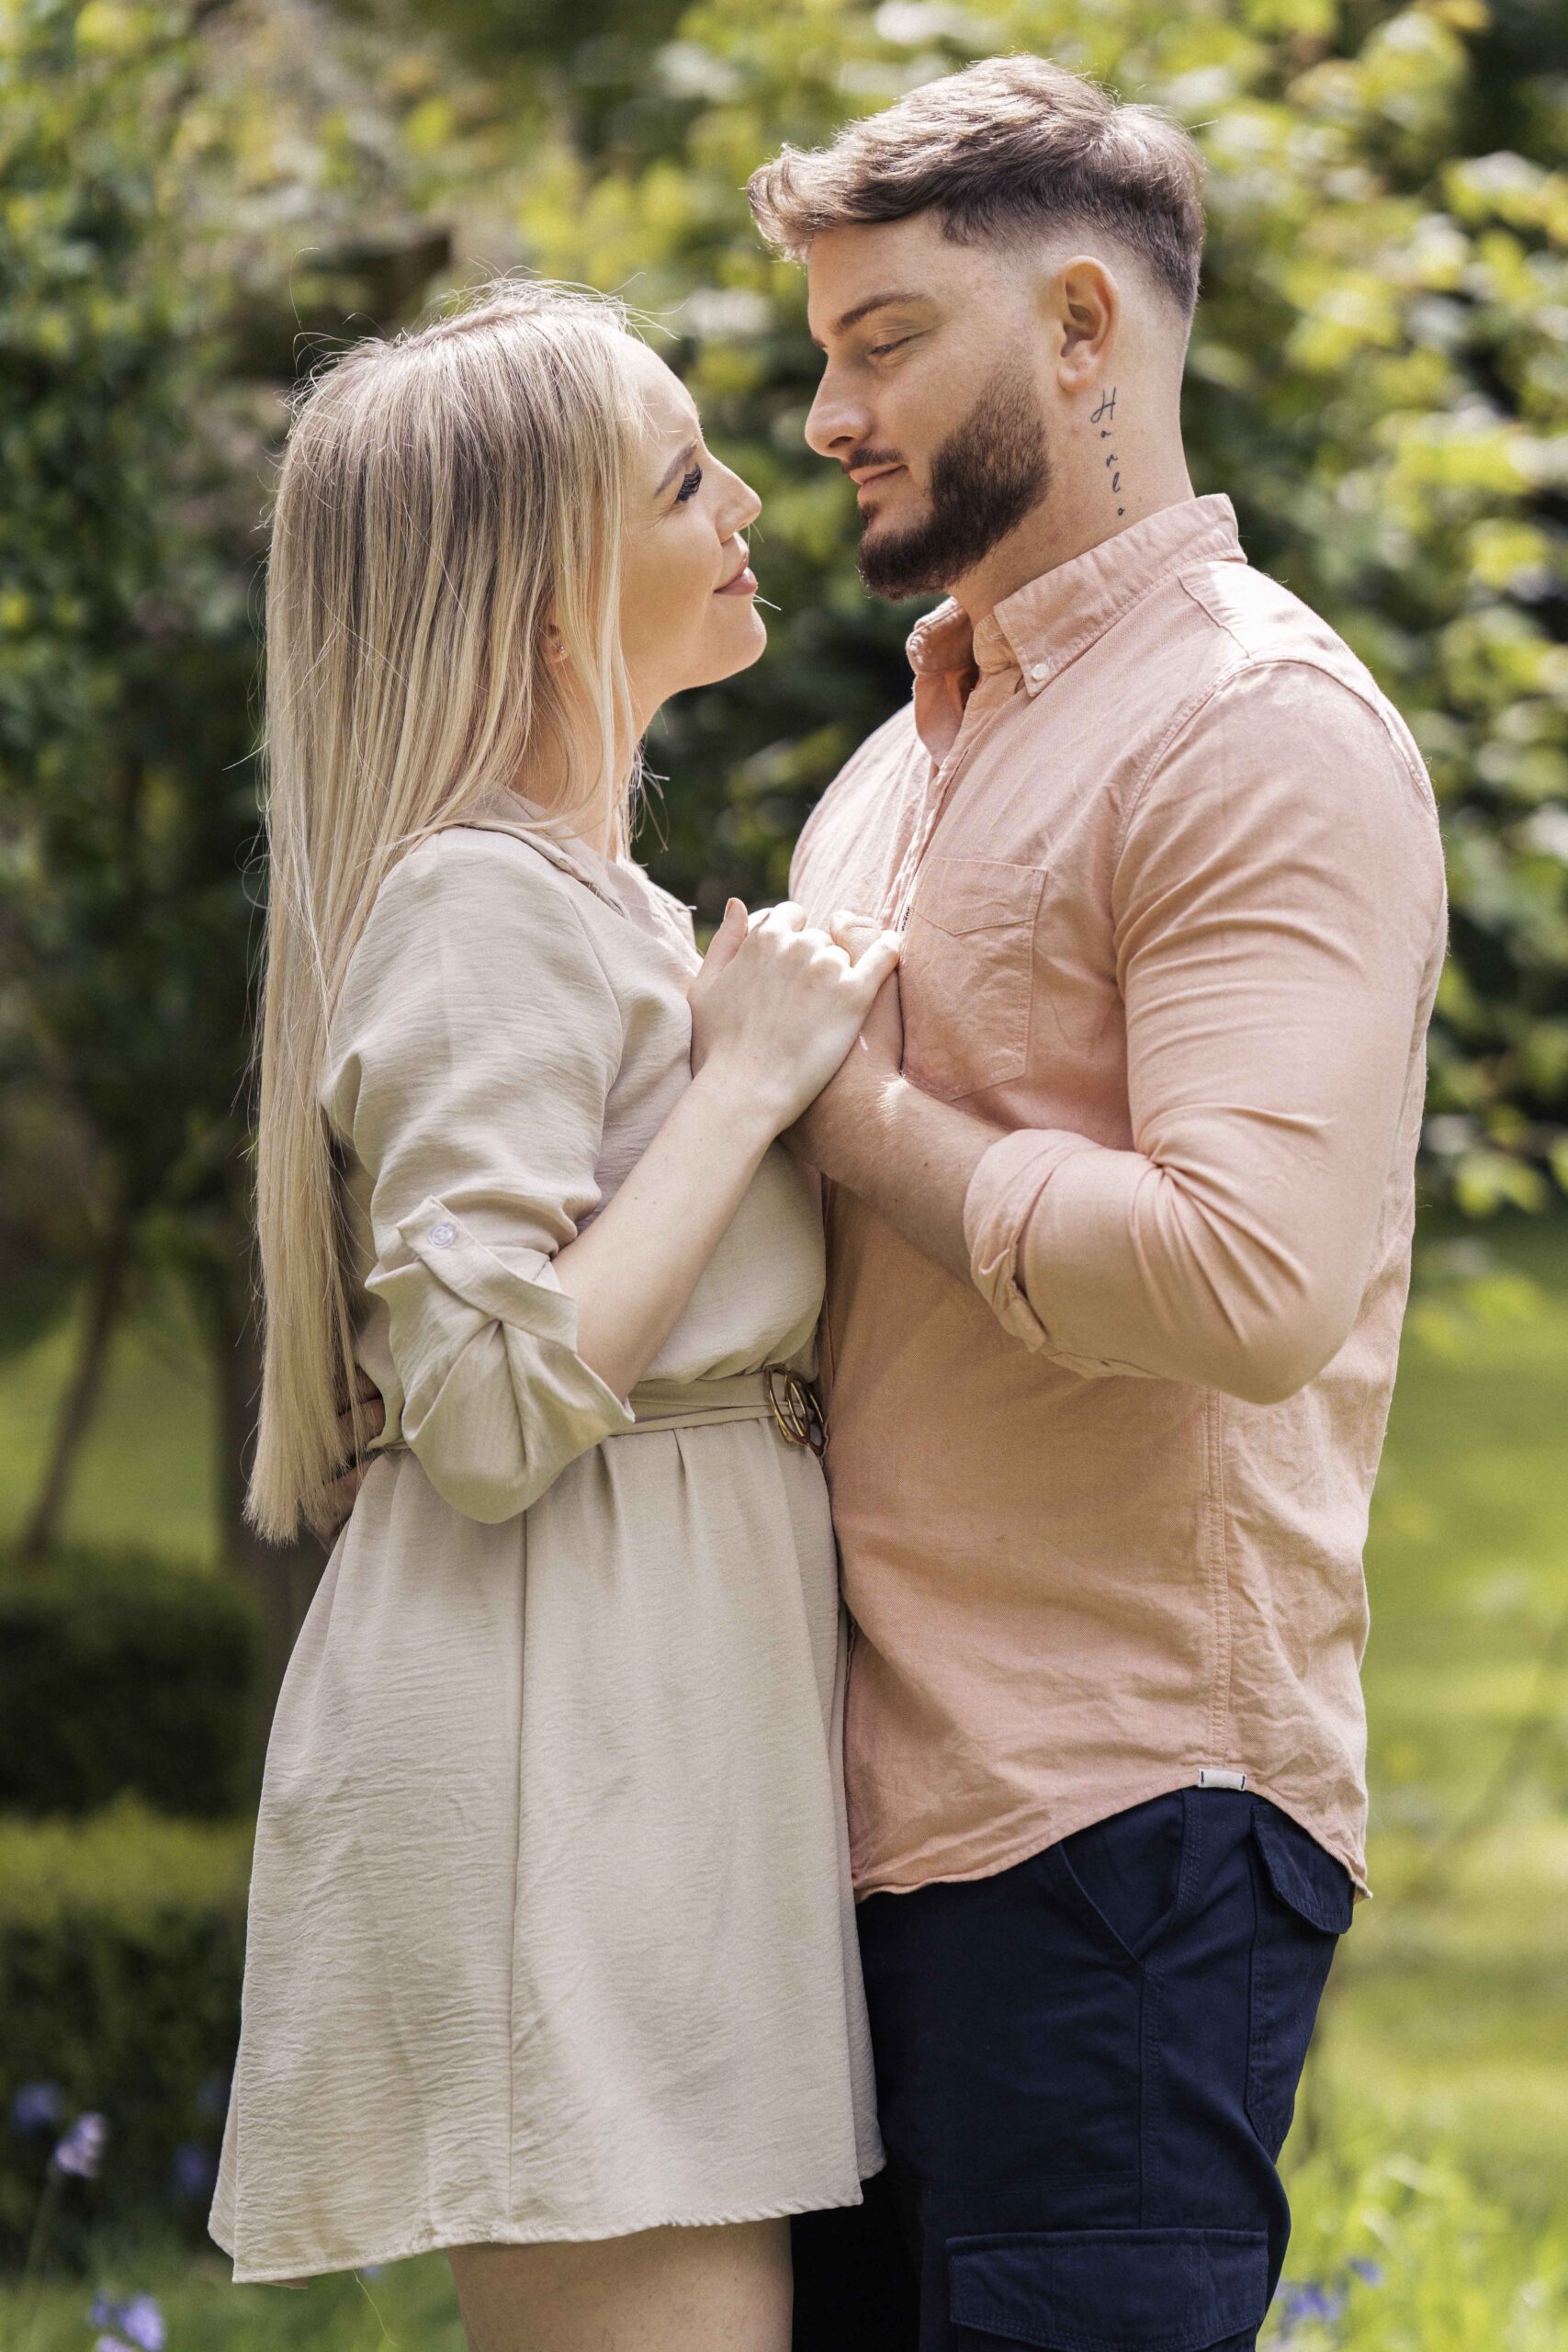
(1036, 1184)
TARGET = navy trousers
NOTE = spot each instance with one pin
(1086, 2069)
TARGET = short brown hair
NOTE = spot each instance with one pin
(1007, 147)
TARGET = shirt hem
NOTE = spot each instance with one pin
(434, 2238)
(1034, 1833)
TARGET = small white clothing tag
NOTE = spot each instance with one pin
(1210, 1776)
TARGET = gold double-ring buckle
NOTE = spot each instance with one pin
(796, 1408)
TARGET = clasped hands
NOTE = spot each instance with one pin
(853, 1089)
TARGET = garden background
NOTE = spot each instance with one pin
(198, 204)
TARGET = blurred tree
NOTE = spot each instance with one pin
(193, 199)
(1379, 377)
(126, 660)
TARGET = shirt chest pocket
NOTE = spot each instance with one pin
(966, 976)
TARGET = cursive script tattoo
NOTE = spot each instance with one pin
(1106, 409)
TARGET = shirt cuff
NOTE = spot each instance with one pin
(496, 1401)
(1000, 1200)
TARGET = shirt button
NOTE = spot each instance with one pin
(442, 1236)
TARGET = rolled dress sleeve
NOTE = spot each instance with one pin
(473, 1052)
(1278, 903)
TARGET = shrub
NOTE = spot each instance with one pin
(119, 1674)
(121, 1954)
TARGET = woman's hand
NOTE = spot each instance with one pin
(777, 1005)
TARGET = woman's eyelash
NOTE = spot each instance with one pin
(692, 485)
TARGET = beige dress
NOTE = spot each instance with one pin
(550, 1930)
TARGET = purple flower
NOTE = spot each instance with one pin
(37, 2107)
(82, 2150)
(193, 2172)
(1371, 2272)
(143, 2321)
(139, 2322)
(1311, 2300)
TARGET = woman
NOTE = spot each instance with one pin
(551, 1957)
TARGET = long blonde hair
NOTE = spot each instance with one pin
(446, 498)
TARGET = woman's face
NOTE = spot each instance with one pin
(688, 613)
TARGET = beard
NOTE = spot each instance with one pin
(993, 469)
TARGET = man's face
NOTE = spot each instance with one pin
(930, 398)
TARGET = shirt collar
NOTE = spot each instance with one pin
(1046, 624)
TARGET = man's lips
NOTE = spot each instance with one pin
(863, 476)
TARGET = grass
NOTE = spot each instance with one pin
(1432, 2140)
(1449, 2003)
(411, 2306)
(149, 1471)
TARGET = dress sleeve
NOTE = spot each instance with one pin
(1278, 909)
(474, 1050)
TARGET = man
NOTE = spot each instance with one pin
(1117, 1266)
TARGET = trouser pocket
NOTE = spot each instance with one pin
(1127, 1871)
(1303, 1905)
(1110, 2290)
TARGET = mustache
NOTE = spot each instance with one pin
(858, 457)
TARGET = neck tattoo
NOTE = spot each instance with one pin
(1105, 417)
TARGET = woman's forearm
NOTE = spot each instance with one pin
(633, 1268)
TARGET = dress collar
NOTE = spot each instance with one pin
(620, 882)
(507, 812)
(1046, 624)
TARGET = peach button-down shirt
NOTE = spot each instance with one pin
(1169, 875)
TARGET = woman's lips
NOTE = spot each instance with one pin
(743, 584)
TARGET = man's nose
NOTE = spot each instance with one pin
(837, 423)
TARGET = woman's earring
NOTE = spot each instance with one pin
(554, 648)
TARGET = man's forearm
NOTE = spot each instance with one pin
(910, 1158)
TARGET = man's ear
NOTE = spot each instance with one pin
(1084, 305)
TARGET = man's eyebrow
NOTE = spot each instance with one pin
(863, 310)
(679, 466)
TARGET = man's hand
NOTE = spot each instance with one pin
(855, 1094)
(909, 1158)
(332, 1505)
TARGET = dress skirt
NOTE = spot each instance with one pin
(551, 1934)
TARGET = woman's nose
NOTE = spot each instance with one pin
(742, 508)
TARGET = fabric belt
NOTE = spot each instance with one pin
(773, 1395)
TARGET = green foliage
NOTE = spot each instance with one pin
(192, 197)
(1391, 2252)
(121, 1951)
(120, 1674)
(1400, 2248)
(126, 648)
(1378, 379)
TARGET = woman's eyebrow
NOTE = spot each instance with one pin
(678, 465)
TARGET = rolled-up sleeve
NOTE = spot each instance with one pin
(474, 1049)
(1278, 907)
